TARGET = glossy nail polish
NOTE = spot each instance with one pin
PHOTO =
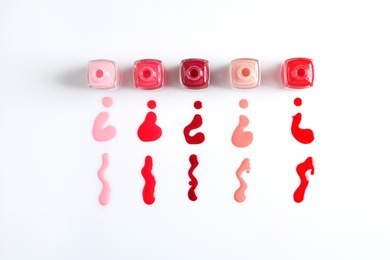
(245, 73)
(148, 74)
(194, 73)
(103, 74)
(297, 73)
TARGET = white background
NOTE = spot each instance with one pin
(48, 159)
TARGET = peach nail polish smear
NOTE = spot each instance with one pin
(245, 73)
(103, 74)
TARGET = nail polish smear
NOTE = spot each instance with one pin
(305, 136)
(196, 122)
(150, 182)
(149, 131)
(194, 182)
(104, 196)
(99, 132)
(239, 195)
(302, 168)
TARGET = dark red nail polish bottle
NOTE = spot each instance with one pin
(194, 73)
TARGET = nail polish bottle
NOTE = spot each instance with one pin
(297, 73)
(103, 74)
(245, 73)
(194, 73)
(148, 74)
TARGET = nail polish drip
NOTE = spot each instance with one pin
(150, 182)
(305, 136)
(149, 131)
(104, 196)
(302, 168)
(194, 182)
(196, 122)
(241, 138)
(239, 195)
(99, 132)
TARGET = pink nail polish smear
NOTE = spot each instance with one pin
(194, 73)
(104, 196)
(297, 73)
(148, 74)
(245, 73)
(103, 74)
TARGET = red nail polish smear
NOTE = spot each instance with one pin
(194, 73)
(148, 74)
(297, 73)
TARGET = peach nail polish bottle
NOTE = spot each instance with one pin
(245, 73)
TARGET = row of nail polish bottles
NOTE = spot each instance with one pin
(296, 73)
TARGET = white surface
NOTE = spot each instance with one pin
(48, 159)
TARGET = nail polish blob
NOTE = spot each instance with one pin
(241, 137)
(196, 122)
(298, 102)
(107, 101)
(151, 104)
(149, 131)
(198, 104)
(100, 131)
(243, 103)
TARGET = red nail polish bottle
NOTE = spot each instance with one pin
(148, 74)
(297, 73)
(194, 73)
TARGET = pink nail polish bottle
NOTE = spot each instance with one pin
(297, 73)
(103, 74)
(194, 73)
(148, 74)
(245, 73)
